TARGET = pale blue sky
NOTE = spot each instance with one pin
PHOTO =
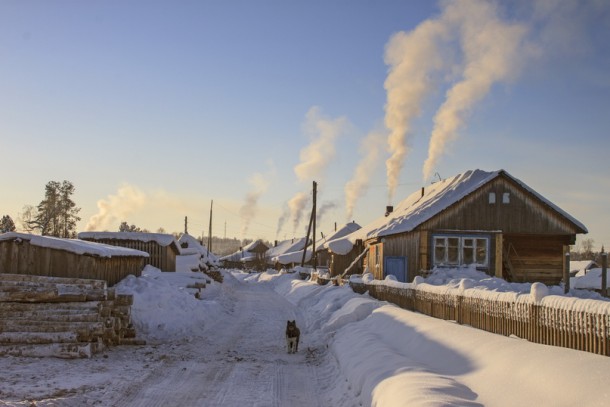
(185, 101)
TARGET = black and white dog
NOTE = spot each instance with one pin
(292, 337)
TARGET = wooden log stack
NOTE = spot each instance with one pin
(62, 317)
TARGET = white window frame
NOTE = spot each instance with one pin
(445, 242)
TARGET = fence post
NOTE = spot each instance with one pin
(604, 269)
(566, 274)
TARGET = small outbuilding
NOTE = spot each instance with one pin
(22, 253)
(161, 247)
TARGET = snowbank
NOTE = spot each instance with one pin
(165, 308)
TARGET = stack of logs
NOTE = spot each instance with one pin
(62, 317)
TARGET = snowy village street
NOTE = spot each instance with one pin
(241, 359)
(228, 349)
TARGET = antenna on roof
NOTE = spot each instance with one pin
(439, 177)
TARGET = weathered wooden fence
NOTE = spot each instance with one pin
(567, 322)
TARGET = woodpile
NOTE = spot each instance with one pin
(62, 317)
(214, 275)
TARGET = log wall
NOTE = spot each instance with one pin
(23, 258)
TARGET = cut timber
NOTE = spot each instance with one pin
(52, 316)
(38, 337)
(100, 284)
(59, 350)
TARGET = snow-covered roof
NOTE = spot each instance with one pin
(163, 239)
(417, 208)
(244, 253)
(591, 280)
(292, 257)
(286, 246)
(579, 265)
(74, 245)
(344, 231)
(194, 247)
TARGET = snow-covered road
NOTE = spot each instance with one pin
(241, 359)
(228, 349)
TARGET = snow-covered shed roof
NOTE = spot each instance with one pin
(73, 245)
(417, 208)
(245, 253)
(194, 247)
(344, 231)
(286, 246)
(582, 265)
(163, 239)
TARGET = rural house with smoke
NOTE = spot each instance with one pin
(489, 220)
(162, 248)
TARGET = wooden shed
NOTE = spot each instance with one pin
(162, 248)
(488, 220)
(22, 253)
(335, 257)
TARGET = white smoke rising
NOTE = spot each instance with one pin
(317, 155)
(321, 211)
(492, 50)
(116, 208)
(260, 184)
(370, 148)
(297, 206)
(412, 59)
(315, 158)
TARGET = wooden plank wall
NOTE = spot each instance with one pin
(574, 329)
(161, 257)
(23, 258)
(536, 258)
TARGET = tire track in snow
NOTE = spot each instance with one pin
(242, 360)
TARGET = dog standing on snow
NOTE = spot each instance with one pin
(292, 337)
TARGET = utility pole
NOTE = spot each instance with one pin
(210, 232)
(225, 229)
(312, 221)
(313, 251)
(186, 229)
(604, 286)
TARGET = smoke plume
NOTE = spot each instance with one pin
(370, 149)
(321, 211)
(297, 206)
(116, 208)
(315, 158)
(260, 184)
(317, 155)
(412, 59)
(491, 51)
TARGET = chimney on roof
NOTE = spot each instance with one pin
(275, 244)
(422, 192)
(388, 210)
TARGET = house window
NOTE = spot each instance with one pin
(506, 198)
(461, 250)
(492, 198)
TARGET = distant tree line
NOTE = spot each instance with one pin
(584, 251)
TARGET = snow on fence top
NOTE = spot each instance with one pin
(73, 245)
(538, 295)
(163, 239)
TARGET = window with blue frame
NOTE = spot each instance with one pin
(451, 250)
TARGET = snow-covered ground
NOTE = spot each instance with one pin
(228, 349)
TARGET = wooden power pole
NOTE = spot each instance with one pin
(210, 231)
(312, 222)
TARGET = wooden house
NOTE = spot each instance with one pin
(22, 253)
(488, 220)
(250, 256)
(288, 253)
(161, 247)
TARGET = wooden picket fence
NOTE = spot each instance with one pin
(581, 326)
